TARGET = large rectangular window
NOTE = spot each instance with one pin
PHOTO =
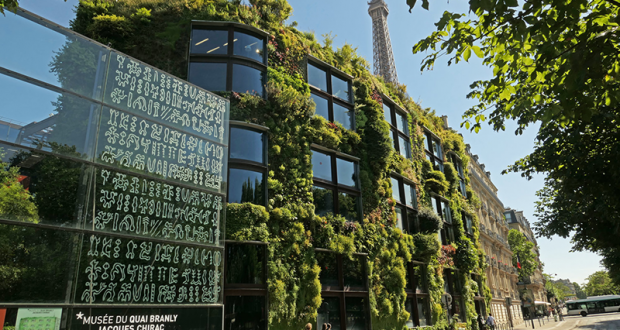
(215, 66)
(331, 92)
(434, 153)
(399, 127)
(417, 303)
(404, 194)
(442, 208)
(247, 164)
(336, 185)
(458, 165)
(344, 291)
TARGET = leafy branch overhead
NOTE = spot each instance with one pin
(555, 64)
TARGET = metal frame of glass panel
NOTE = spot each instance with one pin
(331, 99)
(416, 291)
(458, 165)
(429, 138)
(90, 164)
(397, 134)
(343, 292)
(409, 213)
(447, 232)
(230, 58)
(333, 185)
(251, 165)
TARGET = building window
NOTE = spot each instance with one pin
(442, 208)
(245, 286)
(468, 224)
(399, 126)
(458, 165)
(404, 194)
(247, 173)
(345, 291)
(434, 153)
(417, 303)
(336, 186)
(215, 66)
(331, 92)
(452, 299)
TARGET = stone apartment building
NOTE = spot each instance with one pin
(501, 275)
(535, 285)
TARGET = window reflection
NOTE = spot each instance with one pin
(322, 106)
(321, 166)
(245, 263)
(209, 41)
(247, 80)
(317, 77)
(210, 76)
(356, 313)
(329, 313)
(402, 124)
(248, 46)
(387, 113)
(247, 144)
(329, 268)
(396, 191)
(323, 201)
(340, 88)
(409, 309)
(343, 116)
(245, 313)
(346, 172)
(245, 186)
(399, 218)
(410, 196)
(348, 206)
(404, 147)
(354, 272)
(423, 311)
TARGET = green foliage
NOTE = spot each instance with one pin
(579, 291)
(599, 283)
(156, 31)
(430, 222)
(522, 251)
(9, 5)
(554, 63)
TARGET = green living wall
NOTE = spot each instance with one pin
(158, 31)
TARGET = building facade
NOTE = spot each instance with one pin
(502, 276)
(344, 202)
(535, 284)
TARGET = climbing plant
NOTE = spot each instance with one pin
(157, 32)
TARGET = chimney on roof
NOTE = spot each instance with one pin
(488, 174)
(476, 158)
(445, 121)
(482, 167)
(468, 148)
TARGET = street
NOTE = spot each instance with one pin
(606, 321)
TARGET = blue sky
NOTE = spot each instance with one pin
(443, 89)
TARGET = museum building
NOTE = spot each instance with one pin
(310, 205)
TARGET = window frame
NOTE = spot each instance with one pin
(458, 164)
(429, 137)
(413, 293)
(333, 185)
(446, 234)
(343, 292)
(394, 131)
(230, 59)
(248, 165)
(452, 274)
(328, 94)
(406, 208)
(238, 289)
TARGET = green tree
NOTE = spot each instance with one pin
(554, 62)
(522, 253)
(580, 293)
(599, 284)
(8, 4)
(556, 289)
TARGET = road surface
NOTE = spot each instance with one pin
(605, 321)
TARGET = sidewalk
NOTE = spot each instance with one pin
(550, 324)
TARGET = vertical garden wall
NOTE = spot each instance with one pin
(158, 32)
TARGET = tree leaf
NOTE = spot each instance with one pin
(467, 54)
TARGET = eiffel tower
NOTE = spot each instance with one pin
(383, 58)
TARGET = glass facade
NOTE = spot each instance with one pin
(248, 164)
(91, 185)
(215, 66)
(404, 194)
